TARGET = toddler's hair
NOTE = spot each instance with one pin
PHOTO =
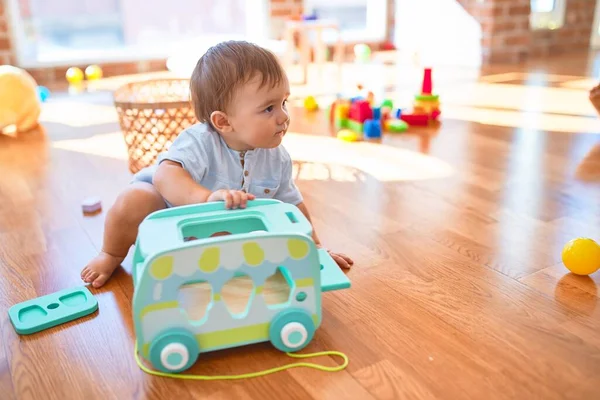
(224, 68)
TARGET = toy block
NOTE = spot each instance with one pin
(377, 113)
(341, 123)
(398, 113)
(427, 85)
(342, 110)
(354, 125)
(361, 111)
(428, 107)
(372, 129)
(415, 119)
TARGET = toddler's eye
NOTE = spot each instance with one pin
(269, 109)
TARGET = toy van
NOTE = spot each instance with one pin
(257, 270)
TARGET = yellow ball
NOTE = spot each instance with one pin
(310, 103)
(74, 75)
(93, 72)
(581, 256)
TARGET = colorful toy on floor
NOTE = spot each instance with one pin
(426, 104)
(310, 103)
(360, 116)
(47, 311)
(395, 125)
(387, 103)
(310, 17)
(349, 135)
(91, 205)
(93, 72)
(340, 111)
(372, 129)
(221, 270)
(360, 111)
(19, 101)
(581, 256)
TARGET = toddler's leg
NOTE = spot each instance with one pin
(120, 230)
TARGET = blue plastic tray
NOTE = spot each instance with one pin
(47, 311)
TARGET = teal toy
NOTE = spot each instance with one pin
(224, 255)
(43, 93)
(47, 311)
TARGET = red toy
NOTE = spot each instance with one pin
(361, 111)
(427, 84)
(426, 105)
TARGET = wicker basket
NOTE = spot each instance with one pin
(151, 114)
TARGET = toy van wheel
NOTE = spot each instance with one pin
(291, 330)
(174, 351)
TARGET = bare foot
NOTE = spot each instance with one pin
(595, 98)
(100, 269)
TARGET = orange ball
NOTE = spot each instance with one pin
(581, 256)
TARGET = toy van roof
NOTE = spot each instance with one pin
(164, 229)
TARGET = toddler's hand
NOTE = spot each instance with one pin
(341, 260)
(232, 198)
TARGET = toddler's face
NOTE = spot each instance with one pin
(259, 116)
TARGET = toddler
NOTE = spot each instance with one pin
(234, 154)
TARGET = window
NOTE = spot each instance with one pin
(542, 5)
(547, 14)
(63, 32)
(359, 20)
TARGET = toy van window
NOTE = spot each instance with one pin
(278, 288)
(222, 227)
(237, 295)
(195, 298)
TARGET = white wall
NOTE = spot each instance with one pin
(441, 32)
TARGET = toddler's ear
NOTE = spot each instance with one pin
(220, 121)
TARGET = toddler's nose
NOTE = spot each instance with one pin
(284, 118)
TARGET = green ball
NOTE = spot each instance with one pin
(362, 52)
(388, 103)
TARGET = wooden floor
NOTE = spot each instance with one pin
(458, 291)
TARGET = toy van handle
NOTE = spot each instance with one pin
(294, 216)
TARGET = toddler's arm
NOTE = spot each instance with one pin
(178, 187)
